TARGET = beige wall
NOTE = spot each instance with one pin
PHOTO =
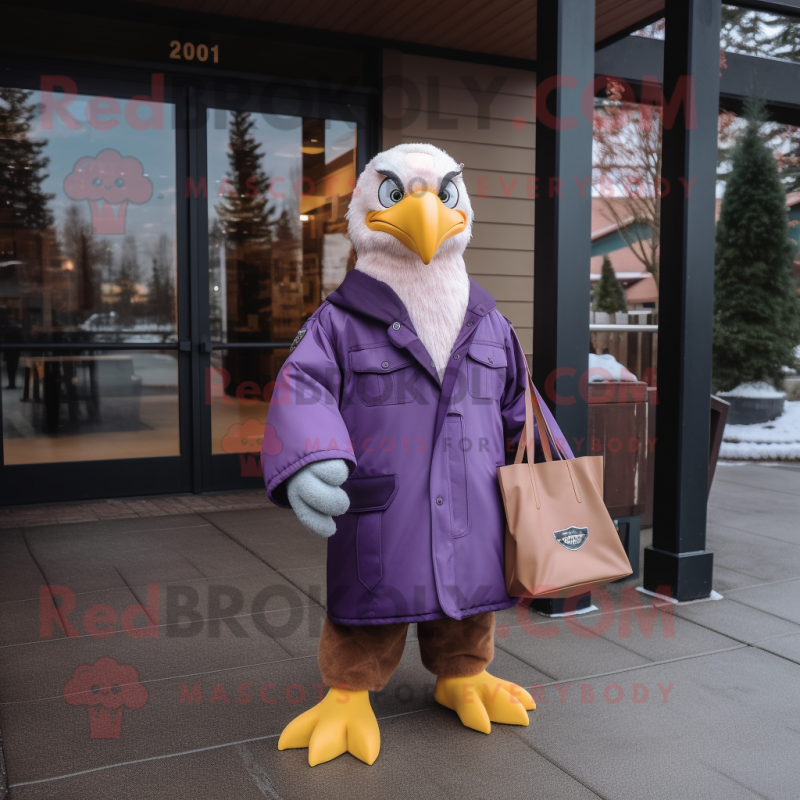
(498, 159)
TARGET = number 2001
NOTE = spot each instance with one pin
(189, 52)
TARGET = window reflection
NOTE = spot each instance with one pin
(278, 193)
(87, 257)
(239, 409)
(87, 225)
(89, 405)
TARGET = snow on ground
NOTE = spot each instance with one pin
(776, 440)
(759, 389)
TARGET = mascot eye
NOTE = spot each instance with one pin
(119, 183)
(97, 182)
(389, 193)
(449, 195)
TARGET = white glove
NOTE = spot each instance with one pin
(315, 496)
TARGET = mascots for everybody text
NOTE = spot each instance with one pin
(394, 411)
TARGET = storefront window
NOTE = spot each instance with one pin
(87, 257)
(278, 192)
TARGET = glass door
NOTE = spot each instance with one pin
(91, 358)
(159, 250)
(277, 190)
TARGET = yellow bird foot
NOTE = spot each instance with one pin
(482, 699)
(343, 722)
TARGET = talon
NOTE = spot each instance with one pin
(343, 722)
(482, 699)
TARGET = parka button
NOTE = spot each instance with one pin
(469, 324)
(456, 356)
(396, 326)
(385, 365)
(439, 501)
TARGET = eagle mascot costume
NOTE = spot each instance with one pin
(403, 393)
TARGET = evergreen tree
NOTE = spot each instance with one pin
(80, 246)
(161, 289)
(759, 33)
(128, 276)
(756, 309)
(244, 211)
(22, 164)
(609, 296)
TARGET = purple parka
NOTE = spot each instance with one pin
(423, 537)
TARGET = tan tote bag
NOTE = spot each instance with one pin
(559, 535)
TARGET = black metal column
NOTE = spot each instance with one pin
(562, 236)
(678, 559)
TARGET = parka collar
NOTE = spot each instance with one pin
(363, 294)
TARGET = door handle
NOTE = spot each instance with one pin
(206, 347)
(185, 346)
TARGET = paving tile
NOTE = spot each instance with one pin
(274, 535)
(394, 775)
(19, 575)
(208, 775)
(226, 596)
(567, 655)
(669, 637)
(784, 646)
(41, 669)
(748, 554)
(54, 533)
(155, 566)
(724, 579)
(312, 581)
(20, 620)
(228, 558)
(48, 618)
(301, 638)
(781, 599)
(769, 514)
(728, 730)
(168, 548)
(752, 476)
(49, 737)
(405, 768)
(735, 620)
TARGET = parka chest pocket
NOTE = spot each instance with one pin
(486, 370)
(384, 375)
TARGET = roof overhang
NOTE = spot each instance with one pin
(502, 28)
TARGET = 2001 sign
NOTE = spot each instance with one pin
(187, 51)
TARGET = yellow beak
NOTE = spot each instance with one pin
(420, 221)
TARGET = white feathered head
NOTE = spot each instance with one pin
(410, 205)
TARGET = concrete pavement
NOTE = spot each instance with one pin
(210, 618)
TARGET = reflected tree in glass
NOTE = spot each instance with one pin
(246, 216)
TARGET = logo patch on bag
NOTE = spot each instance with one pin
(297, 339)
(572, 538)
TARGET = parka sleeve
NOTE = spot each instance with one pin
(304, 423)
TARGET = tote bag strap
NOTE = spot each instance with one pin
(533, 410)
(534, 419)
